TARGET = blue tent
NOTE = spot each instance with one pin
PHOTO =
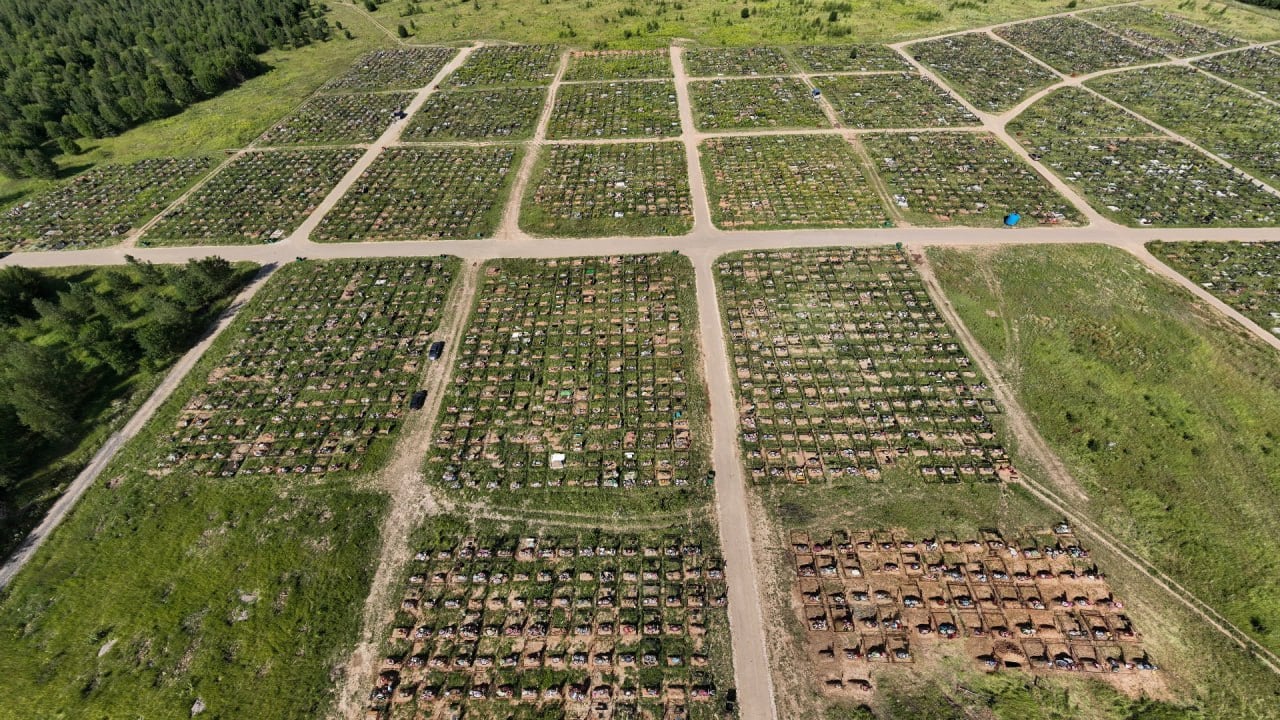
(1012, 219)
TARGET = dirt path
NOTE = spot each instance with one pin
(108, 451)
(746, 622)
(692, 139)
(1060, 481)
(509, 228)
(411, 501)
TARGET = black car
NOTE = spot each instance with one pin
(437, 349)
(418, 400)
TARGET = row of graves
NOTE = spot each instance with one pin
(1034, 602)
(318, 370)
(1239, 127)
(1134, 173)
(101, 206)
(1245, 275)
(576, 373)
(845, 371)
(1114, 37)
(359, 105)
(572, 625)
(496, 95)
(260, 196)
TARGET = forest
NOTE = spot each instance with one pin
(74, 346)
(72, 69)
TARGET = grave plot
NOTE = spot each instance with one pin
(534, 623)
(493, 114)
(1159, 183)
(1257, 69)
(618, 65)
(623, 189)
(338, 119)
(712, 62)
(1246, 275)
(316, 373)
(850, 58)
(1076, 112)
(989, 74)
(964, 179)
(903, 100)
(755, 103)
(789, 181)
(1162, 32)
(507, 65)
(615, 110)
(101, 206)
(1075, 47)
(846, 372)
(259, 197)
(425, 193)
(392, 69)
(578, 384)
(1236, 126)
(1037, 602)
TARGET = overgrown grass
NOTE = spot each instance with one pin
(1166, 412)
(240, 594)
(632, 24)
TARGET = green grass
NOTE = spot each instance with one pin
(1165, 412)
(625, 24)
(167, 568)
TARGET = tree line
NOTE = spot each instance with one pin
(69, 346)
(73, 69)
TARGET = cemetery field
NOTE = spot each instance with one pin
(337, 119)
(165, 598)
(578, 390)
(849, 58)
(507, 66)
(425, 193)
(1238, 127)
(392, 69)
(884, 101)
(1076, 47)
(315, 376)
(1246, 276)
(755, 103)
(500, 617)
(485, 114)
(606, 190)
(101, 206)
(259, 197)
(615, 110)
(713, 62)
(789, 181)
(1257, 69)
(1160, 31)
(989, 74)
(1143, 393)
(618, 65)
(964, 179)
(847, 375)
(1132, 173)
